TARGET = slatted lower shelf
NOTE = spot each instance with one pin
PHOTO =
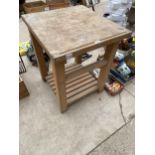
(76, 87)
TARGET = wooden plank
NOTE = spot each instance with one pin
(40, 57)
(67, 69)
(84, 69)
(54, 90)
(109, 55)
(76, 66)
(80, 84)
(82, 94)
(77, 77)
(49, 76)
(73, 82)
(51, 80)
(81, 79)
(70, 66)
(59, 78)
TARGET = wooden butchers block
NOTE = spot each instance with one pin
(72, 30)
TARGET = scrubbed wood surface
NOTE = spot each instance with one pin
(64, 31)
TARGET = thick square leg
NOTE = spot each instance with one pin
(78, 59)
(109, 55)
(40, 57)
(59, 78)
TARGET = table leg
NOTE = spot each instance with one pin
(78, 59)
(40, 57)
(109, 55)
(59, 77)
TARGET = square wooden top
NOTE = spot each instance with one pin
(69, 30)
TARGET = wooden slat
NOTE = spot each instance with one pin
(72, 67)
(50, 78)
(84, 69)
(83, 88)
(82, 94)
(78, 87)
(80, 79)
(77, 77)
(80, 84)
(67, 68)
(54, 90)
(73, 82)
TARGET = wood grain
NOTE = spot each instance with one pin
(40, 57)
(109, 55)
(77, 87)
(61, 34)
(84, 69)
(59, 79)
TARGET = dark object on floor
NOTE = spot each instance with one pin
(106, 15)
(31, 55)
(86, 56)
(32, 58)
(22, 68)
(75, 2)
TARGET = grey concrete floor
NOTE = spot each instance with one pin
(97, 124)
(120, 143)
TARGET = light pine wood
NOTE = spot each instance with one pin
(76, 90)
(78, 59)
(84, 69)
(71, 32)
(81, 94)
(72, 83)
(76, 66)
(83, 77)
(59, 79)
(84, 29)
(75, 84)
(50, 79)
(77, 87)
(109, 55)
(40, 57)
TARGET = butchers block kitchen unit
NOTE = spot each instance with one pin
(71, 32)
